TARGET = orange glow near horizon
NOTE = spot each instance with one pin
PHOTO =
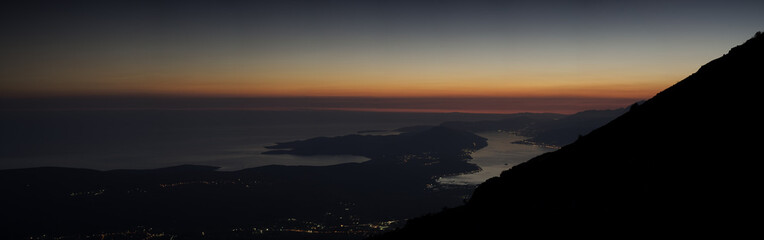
(379, 50)
(637, 88)
(597, 91)
(400, 71)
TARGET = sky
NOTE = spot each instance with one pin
(622, 50)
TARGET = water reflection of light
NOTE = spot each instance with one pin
(500, 154)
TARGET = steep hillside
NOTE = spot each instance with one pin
(682, 163)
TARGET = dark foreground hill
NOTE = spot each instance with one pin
(683, 163)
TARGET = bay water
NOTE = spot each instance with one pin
(500, 154)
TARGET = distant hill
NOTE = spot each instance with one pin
(434, 139)
(563, 131)
(515, 122)
(682, 164)
(548, 129)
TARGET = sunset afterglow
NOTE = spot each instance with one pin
(395, 49)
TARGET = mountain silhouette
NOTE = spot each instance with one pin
(682, 164)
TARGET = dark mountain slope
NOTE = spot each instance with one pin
(684, 163)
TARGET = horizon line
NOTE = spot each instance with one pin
(209, 97)
(482, 105)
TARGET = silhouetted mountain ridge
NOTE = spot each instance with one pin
(681, 163)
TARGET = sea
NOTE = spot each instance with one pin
(229, 139)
